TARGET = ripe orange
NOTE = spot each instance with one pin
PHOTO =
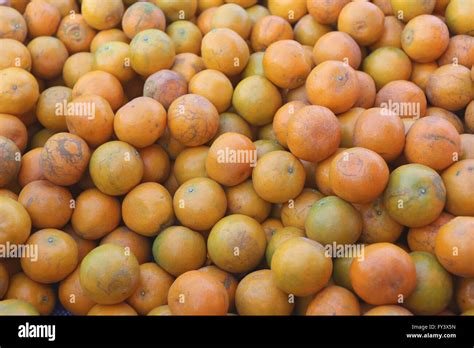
(334, 300)
(142, 16)
(459, 188)
(291, 10)
(460, 50)
(57, 256)
(11, 161)
(25, 91)
(234, 17)
(12, 24)
(268, 30)
(48, 55)
(227, 279)
(242, 199)
(108, 35)
(50, 110)
(75, 33)
(337, 45)
(186, 37)
(326, 12)
(102, 16)
(281, 118)
(388, 310)
(114, 309)
(14, 54)
(165, 86)
(295, 212)
(188, 65)
(75, 66)
(16, 225)
(407, 10)
(458, 17)
(391, 35)
(278, 237)
(213, 85)
(177, 9)
(362, 20)
(72, 296)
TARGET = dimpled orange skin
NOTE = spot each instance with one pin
(285, 64)
(386, 273)
(198, 293)
(358, 175)
(224, 50)
(221, 167)
(268, 30)
(334, 300)
(278, 177)
(454, 245)
(193, 120)
(95, 215)
(334, 85)
(337, 45)
(459, 183)
(40, 198)
(57, 256)
(314, 133)
(434, 142)
(380, 131)
(165, 86)
(19, 91)
(64, 159)
(95, 129)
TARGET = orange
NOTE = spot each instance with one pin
(64, 6)
(307, 30)
(236, 52)
(75, 66)
(362, 20)
(114, 309)
(254, 65)
(382, 131)
(108, 35)
(57, 256)
(16, 223)
(391, 35)
(300, 266)
(75, 33)
(213, 85)
(172, 146)
(415, 195)
(380, 64)
(464, 295)
(450, 87)
(146, 115)
(334, 85)
(458, 179)
(178, 250)
(285, 64)
(188, 65)
(199, 203)
(52, 110)
(138, 245)
(280, 236)
(268, 30)
(326, 12)
(12, 24)
(204, 19)
(291, 10)
(14, 54)
(425, 38)
(434, 286)
(42, 18)
(40, 296)
(147, 209)
(228, 280)
(116, 168)
(11, 161)
(458, 17)
(114, 57)
(197, 293)
(165, 86)
(337, 45)
(403, 98)
(151, 50)
(152, 290)
(100, 83)
(295, 212)
(281, 118)
(256, 99)
(95, 215)
(242, 199)
(102, 16)
(19, 91)
(190, 164)
(83, 245)
(231, 158)
(186, 37)
(64, 159)
(90, 118)
(388, 310)
(313, 133)
(42, 197)
(278, 177)
(257, 294)
(234, 17)
(358, 175)
(48, 55)
(236, 243)
(109, 274)
(408, 9)
(377, 225)
(334, 300)
(347, 121)
(192, 120)
(434, 142)
(454, 245)
(332, 220)
(460, 50)
(177, 9)
(270, 226)
(386, 274)
(72, 296)
(156, 164)
(142, 16)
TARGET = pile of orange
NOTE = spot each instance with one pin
(204, 157)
